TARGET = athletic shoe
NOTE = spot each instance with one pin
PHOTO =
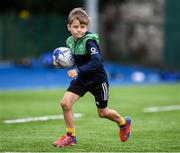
(65, 140)
(125, 130)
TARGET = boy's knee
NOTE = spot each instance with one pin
(65, 105)
(102, 114)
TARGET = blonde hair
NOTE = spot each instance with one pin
(79, 14)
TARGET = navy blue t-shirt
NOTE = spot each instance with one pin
(92, 69)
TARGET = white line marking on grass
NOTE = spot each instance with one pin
(41, 118)
(162, 108)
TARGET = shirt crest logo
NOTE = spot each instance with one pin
(93, 51)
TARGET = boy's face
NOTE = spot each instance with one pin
(77, 29)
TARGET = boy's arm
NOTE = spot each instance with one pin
(95, 57)
(94, 62)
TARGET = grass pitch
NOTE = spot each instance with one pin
(152, 132)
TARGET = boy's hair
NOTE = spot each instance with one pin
(79, 14)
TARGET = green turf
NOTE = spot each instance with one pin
(152, 132)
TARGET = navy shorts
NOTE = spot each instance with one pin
(100, 91)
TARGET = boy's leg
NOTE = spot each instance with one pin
(68, 100)
(69, 139)
(101, 92)
(123, 123)
(74, 92)
(111, 115)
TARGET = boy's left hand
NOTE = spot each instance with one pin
(72, 73)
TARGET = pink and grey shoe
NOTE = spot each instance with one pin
(65, 140)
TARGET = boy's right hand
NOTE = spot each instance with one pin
(72, 73)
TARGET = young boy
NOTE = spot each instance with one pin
(89, 76)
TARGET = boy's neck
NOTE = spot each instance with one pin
(82, 36)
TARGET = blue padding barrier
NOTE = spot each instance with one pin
(20, 77)
(41, 76)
